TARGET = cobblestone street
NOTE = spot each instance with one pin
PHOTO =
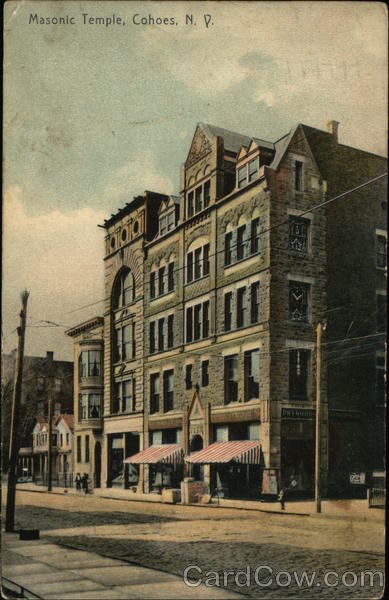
(171, 538)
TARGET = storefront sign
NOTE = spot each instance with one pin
(358, 478)
(298, 413)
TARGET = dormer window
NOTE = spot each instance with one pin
(168, 215)
(162, 225)
(248, 172)
(242, 176)
(253, 169)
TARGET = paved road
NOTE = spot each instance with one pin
(171, 538)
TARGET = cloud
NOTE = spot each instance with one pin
(135, 176)
(59, 258)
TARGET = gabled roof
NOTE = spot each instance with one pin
(68, 420)
(232, 140)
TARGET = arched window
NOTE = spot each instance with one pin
(124, 290)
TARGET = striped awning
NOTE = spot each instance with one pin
(244, 452)
(171, 454)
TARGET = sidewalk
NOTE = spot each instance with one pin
(53, 572)
(341, 509)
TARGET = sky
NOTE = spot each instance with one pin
(95, 114)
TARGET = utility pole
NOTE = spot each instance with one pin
(318, 419)
(16, 397)
(50, 439)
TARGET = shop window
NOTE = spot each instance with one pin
(251, 374)
(230, 379)
(298, 301)
(154, 393)
(298, 234)
(221, 433)
(298, 374)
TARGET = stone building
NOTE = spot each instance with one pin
(212, 302)
(88, 397)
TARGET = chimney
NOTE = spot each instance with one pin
(49, 355)
(332, 128)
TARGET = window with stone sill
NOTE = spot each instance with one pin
(248, 172)
(251, 374)
(124, 343)
(168, 390)
(124, 290)
(197, 322)
(298, 234)
(230, 379)
(204, 373)
(197, 263)
(241, 243)
(299, 301)
(188, 377)
(162, 281)
(198, 198)
(154, 393)
(123, 400)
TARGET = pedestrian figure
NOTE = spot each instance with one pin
(281, 498)
(85, 482)
(78, 482)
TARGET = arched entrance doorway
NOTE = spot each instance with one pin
(197, 471)
(97, 474)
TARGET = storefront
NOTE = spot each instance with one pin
(165, 465)
(298, 451)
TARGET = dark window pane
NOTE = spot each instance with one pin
(189, 324)
(198, 193)
(188, 377)
(206, 319)
(254, 236)
(154, 393)
(253, 169)
(171, 277)
(170, 331)
(227, 248)
(251, 374)
(240, 245)
(204, 373)
(152, 337)
(298, 234)
(152, 284)
(298, 301)
(242, 176)
(190, 204)
(228, 311)
(230, 379)
(381, 251)
(197, 263)
(255, 302)
(298, 374)
(207, 193)
(298, 180)
(189, 267)
(241, 307)
(206, 259)
(197, 322)
(161, 339)
(161, 281)
(168, 386)
(126, 342)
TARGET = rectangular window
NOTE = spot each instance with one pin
(298, 234)
(134, 395)
(198, 193)
(207, 193)
(206, 259)
(189, 324)
(117, 345)
(170, 279)
(78, 448)
(298, 176)
(197, 322)
(228, 248)
(197, 263)
(189, 267)
(253, 169)
(241, 307)
(254, 241)
(152, 284)
(190, 204)
(206, 319)
(133, 340)
(170, 331)
(188, 377)
(154, 393)
(83, 406)
(251, 374)
(161, 339)
(84, 364)
(94, 363)
(87, 448)
(298, 301)
(127, 346)
(230, 379)
(381, 313)
(161, 281)
(116, 398)
(94, 406)
(242, 176)
(381, 251)
(126, 397)
(240, 245)
(254, 317)
(152, 337)
(168, 387)
(298, 374)
(67, 439)
(162, 225)
(228, 311)
(170, 221)
(205, 373)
